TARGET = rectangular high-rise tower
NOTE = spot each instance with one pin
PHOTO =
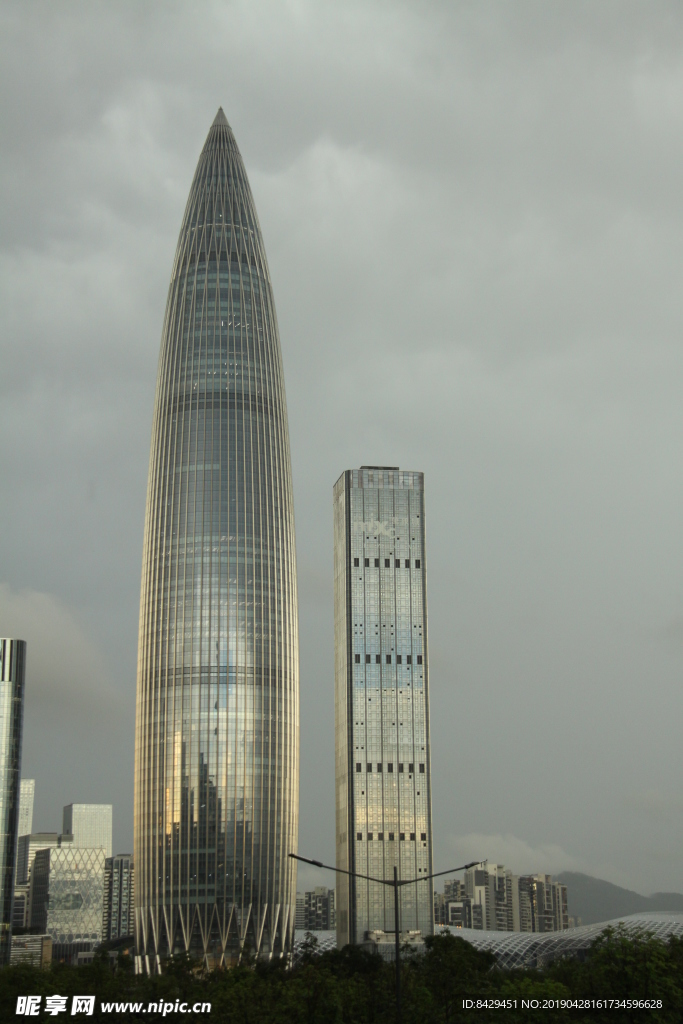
(118, 897)
(12, 668)
(383, 785)
(89, 824)
(26, 796)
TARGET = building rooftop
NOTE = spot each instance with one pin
(537, 949)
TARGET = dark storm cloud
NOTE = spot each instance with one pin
(475, 229)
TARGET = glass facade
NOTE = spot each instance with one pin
(67, 898)
(27, 793)
(118, 897)
(27, 848)
(89, 824)
(12, 667)
(382, 755)
(217, 729)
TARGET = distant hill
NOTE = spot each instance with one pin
(594, 900)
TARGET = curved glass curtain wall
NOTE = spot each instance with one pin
(216, 762)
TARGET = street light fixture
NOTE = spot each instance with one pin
(394, 882)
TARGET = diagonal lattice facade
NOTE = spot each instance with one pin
(217, 723)
(67, 897)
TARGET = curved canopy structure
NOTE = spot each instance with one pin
(534, 949)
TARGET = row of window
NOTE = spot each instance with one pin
(399, 659)
(401, 836)
(387, 563)
(390, 767)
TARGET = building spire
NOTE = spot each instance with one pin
(220, 119)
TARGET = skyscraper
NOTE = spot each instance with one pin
(217, 731)
(12, 666)
(27, 847)
(118, 897)
(26, 795)
(89, 824)
(382, 753)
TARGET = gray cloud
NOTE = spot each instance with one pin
(473, 219)
(514, 852)
(77, 725)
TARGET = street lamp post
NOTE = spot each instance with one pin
(395, 882)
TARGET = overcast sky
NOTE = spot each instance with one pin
(473, 216)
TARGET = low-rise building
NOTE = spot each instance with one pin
(35, 950)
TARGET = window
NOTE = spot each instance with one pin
(370, 836)
(367, 659)
(380, 835)
(422, 769)
(411, 769)
(369, 767)
(390, 767)
(359, 835)
(391, 837)
(387, 563)
(397, 562)
(358, 766)
(367, 562)
(402, 836)
(399, 658)
(356, 562)
(377, 563)
(417, 563)
(409, 659)
(378, 659)
(357, 659)
(379, 768)
(407, 563)
(388, 659)
(423, 837)
(419, 659)
(412, 837)
(400, 767)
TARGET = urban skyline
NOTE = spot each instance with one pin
(475, 275)
(68, 888)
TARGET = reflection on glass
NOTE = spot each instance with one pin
(216, 798)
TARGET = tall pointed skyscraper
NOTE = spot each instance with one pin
(217, 728)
